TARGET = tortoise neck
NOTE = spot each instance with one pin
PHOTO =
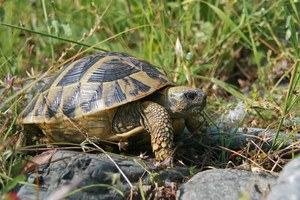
(161, 97)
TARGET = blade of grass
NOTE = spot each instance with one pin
(291, 98)
(231, 90)
(292, 2)
(141, 189)
(52, 36)
(253, 46)
(224, 17)
(48, 29)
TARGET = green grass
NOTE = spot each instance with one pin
(233, 50)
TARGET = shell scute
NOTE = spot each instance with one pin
(71, 98)
(91, 97)
(77, 70)
(53, 102)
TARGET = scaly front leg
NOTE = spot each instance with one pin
(157, 122)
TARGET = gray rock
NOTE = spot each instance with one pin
(237, 138)
(288, 183)
(75, 175)
(226, 184)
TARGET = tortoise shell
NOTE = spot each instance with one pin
(83, 96)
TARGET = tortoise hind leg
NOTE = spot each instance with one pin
(157, 122)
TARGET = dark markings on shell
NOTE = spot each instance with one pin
(126, 81)
(138, 87)
(30, 107)
(51, 80)
(151, 71)
(114, 95)
(78, 70)
(69, 105)
(112, 70)
(53, 106)
(41, 106)
(119, 54)
(89, 104)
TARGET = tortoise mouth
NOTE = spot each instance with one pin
(197, 107)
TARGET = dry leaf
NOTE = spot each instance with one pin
(37, 160)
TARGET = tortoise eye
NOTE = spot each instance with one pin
(190, 95)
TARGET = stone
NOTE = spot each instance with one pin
(288, 183)
(75, 175)
(226, 184)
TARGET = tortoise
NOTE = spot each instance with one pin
(113, 96)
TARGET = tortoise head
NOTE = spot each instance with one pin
(185, 101)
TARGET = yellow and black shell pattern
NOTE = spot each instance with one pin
(90, 88)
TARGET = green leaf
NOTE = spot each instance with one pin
(13, 183)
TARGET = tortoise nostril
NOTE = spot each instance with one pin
(190, 95)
